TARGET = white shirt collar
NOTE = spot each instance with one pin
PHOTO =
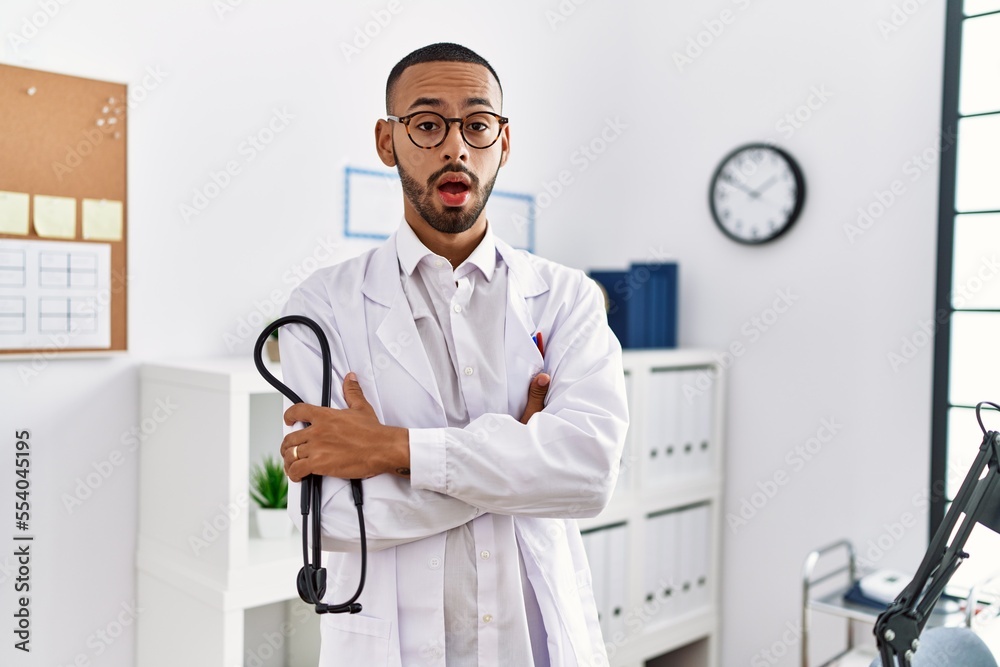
(410, 250)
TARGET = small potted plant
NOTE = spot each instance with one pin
(269, 489)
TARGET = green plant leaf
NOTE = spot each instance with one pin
(268, 484)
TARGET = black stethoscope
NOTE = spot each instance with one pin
(311, 580)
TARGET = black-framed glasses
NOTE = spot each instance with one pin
(427, 129)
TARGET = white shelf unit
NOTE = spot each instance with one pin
(200, 568)
(199, 565)
(660, 600)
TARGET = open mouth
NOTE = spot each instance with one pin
(454, 192)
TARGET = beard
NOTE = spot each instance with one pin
(451, 220)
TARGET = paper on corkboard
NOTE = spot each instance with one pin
(55, 217)
(102, 220)
(14, 213)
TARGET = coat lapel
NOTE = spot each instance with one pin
(389, 311)
(520, 351)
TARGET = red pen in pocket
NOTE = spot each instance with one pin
(539, 343)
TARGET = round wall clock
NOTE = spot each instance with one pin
(756, 193)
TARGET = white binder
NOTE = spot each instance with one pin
(672, 424)
(687, 423)
(617, 540)
(704, 454)
(688, 536)
(655, 563)
(595, 543)
(651, 451)
(702, 517)
(663, 408)
(667, 592)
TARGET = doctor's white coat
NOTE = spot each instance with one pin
(533, 479)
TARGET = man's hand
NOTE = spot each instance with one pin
(537, 390)
(349, 444)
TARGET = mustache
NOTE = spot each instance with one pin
(473, 179)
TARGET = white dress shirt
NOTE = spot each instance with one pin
(459, 315)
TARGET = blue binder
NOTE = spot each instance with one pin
(614, 284)
(642, 310)
(655, 285)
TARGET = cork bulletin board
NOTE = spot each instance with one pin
(63, 213)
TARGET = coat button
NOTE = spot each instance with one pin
(434, 563)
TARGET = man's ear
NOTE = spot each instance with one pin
(383, 142)
(504, 144)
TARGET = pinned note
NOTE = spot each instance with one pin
(55, 217)
(13, 213)
(102, 220)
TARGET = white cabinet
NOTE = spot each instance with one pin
(203, 575)
(655, 550)
(200, 567)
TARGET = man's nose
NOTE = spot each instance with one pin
(454, 146)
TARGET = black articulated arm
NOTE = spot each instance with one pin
(898, 628)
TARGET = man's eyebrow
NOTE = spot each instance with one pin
(478, 101)
(426, 101)
(436, 102)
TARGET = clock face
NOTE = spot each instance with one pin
(756, 193)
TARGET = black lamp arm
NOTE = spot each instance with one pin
(898, 628)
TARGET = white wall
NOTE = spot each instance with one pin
(193, 282)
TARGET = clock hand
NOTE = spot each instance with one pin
(767, 198)
(768, 183)
(736, 184)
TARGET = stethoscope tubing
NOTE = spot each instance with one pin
(312, 577)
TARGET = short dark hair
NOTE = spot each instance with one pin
(435, 53)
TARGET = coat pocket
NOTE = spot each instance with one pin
(354, 639)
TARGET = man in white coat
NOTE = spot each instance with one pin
(470, 490)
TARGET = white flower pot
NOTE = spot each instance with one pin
(273, 524)
(273, 351)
